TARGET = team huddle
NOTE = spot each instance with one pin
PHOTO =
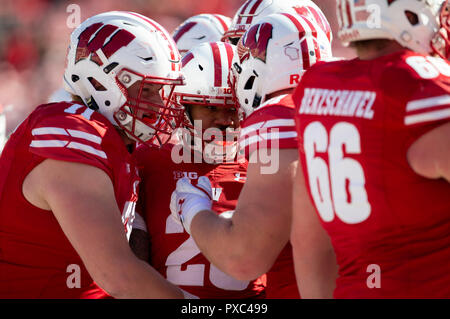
(238, 158)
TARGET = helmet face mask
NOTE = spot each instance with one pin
(206, 69)
(111, 52)
(145, 115)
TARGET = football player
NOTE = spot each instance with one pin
(252, 11)
(374, 143)
(205, 27)
(271, 57)
(209, 108)
(68, 185)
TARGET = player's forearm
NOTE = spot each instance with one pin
(429, 155)
(316, 274)
(135, 279)
(227, 247)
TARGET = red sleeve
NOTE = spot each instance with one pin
(271, 126)
(70, 137)
(422, 97)
(429, 104)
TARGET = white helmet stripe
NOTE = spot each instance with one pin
(305, 27)
(311, 46)
(252, 11)
(217, 64)
(239, 20)
(221, 21)
(220, 63)
(226, 56)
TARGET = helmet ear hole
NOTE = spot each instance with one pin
(412, 17)
(200, 67)
(97, 85)
(75, 78)
(249, 83)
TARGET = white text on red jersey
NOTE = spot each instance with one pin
(338, 102)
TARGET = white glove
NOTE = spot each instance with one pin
(188, 200)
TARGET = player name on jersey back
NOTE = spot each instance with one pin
(350, 103)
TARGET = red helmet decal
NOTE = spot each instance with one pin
(255, 42)
(87, 47)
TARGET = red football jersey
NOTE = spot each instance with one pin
(36, 258)
(173, 252)
(356, 119)
(272, 125)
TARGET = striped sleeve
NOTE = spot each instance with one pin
(271, 127)
(427, 110)
(69, 138)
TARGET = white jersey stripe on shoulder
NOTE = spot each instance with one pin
(49, 131)
(87, 149)
(274, 100)
(74, 145)
(87, 114)
(428, 102)
(427, 117)
(48, 143)
(73, 108)
(86, 136)
(267, 124)
(60, 131)
(267, 137)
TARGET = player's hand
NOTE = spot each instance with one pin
(188, 200)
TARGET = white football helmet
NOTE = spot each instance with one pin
(273, 55)
(253, 10)
(420, 25)
(206, 69)
(198, 29)
(110, 52)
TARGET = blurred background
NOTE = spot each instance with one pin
(34, 36)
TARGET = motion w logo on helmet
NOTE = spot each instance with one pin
(88, 47)
(255, 42)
